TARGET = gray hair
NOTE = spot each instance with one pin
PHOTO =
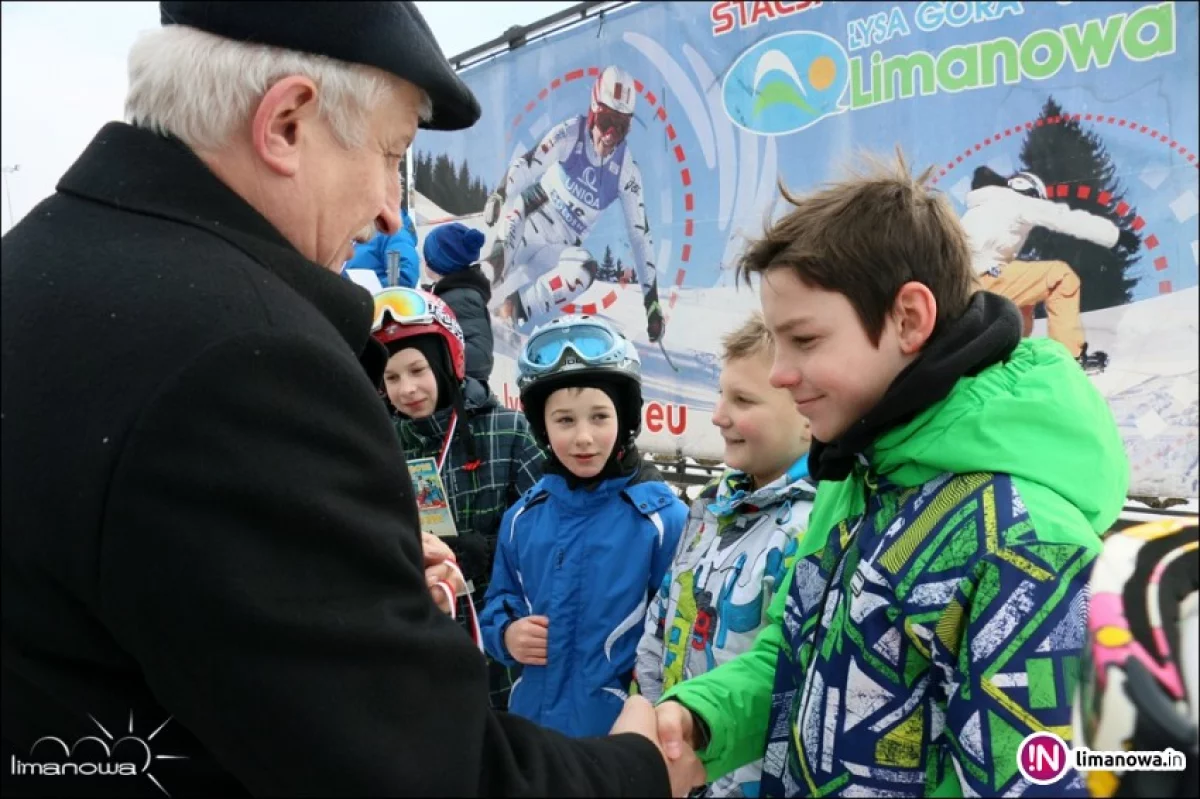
(199, 87)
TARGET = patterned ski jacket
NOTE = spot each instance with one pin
(738, 547)
(937, 610)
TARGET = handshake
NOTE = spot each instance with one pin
(669, 727)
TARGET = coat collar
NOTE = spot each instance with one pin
(138, 171)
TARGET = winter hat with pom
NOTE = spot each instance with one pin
(452, 247)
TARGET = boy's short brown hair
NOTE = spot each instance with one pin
(867, 236)
(749, 339)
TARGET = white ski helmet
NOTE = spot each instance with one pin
(614, 90)
(580, 350)
(1029, 184)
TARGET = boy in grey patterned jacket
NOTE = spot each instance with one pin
(741, 536)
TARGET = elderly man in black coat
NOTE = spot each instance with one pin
(212, 572)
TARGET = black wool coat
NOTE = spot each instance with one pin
(208, 521)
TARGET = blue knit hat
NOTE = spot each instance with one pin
(449, 248)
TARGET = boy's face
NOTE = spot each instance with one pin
(764, 433)
(581, 424)
(411, 384)
(823, 355)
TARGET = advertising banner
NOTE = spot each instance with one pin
(1064, 134)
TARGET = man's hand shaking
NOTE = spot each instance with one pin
(669, 727)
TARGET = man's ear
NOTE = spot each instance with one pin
(915, 314)
(283, 116)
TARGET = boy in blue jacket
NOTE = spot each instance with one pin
(582, 552)
(374, 254)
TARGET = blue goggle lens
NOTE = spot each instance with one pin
(593, 343)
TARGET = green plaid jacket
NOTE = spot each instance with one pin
(511, 465)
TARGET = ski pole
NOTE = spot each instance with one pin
(670, 363)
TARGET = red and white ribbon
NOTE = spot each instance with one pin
(441, 461)
(452, 599)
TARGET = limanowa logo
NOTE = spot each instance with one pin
(786, 83)
(1043, 758)
(94, 756)
(791, 81)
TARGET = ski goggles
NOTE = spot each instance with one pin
(606, 119)
(590, 343)
(404, 305)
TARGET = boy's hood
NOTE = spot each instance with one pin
(735, 490)
(981, 399)
(1035, 416)
(472, 277)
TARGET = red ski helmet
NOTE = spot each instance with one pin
(404, 312)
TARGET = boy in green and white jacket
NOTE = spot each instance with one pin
(741, 537)
(937, 610)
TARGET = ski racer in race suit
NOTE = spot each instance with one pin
(551, 198)
(1000, 214)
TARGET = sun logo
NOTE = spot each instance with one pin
(786, 83)
(129, 755)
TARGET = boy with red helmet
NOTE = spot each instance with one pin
(486, 455)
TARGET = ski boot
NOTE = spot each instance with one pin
(1092, 362)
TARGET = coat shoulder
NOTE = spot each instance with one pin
(655, 497)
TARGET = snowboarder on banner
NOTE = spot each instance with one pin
(550, 199)
(1001, 212)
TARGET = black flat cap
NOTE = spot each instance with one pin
(392, 36)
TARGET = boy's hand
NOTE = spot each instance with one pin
(675, 729)
(685, 770)
(526, 640)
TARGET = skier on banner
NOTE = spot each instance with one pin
(1001, 212)
(551, 198)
